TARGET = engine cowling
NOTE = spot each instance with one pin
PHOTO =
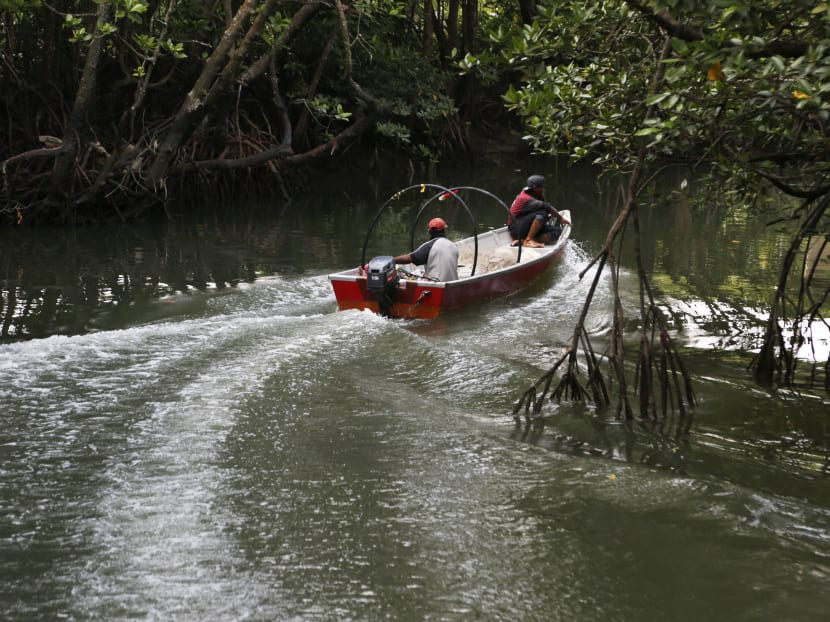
(382, 281)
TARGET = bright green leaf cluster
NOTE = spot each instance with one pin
(131, 9)
(13, 6)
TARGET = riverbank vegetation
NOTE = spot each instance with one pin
(113, 109)
(737, 90)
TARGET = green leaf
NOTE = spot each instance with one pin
(656, 99)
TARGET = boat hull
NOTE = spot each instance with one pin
(418, 298)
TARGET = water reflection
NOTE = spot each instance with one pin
(714, 268)
(111, 279)
(272, 459)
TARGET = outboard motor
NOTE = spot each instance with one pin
(382, 281)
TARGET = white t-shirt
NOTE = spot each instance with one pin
(441, 261)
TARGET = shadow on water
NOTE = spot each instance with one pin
(73, 281)
(736, 434)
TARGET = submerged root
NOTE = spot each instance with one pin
(796, 308)
(660, 378)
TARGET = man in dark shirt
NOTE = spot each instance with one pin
(439, 254)
(529, 214)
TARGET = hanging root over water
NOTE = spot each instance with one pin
(660, 378)
(571, 385)
(798, 308)
(659, 369)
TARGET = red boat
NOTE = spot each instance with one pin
(488, 266)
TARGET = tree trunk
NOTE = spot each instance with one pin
(429, 29)
(452, 27)
(219, 69)
(469, 18)
(64, 165)
(527, 8)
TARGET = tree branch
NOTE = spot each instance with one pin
(283, 152)
(675, 28)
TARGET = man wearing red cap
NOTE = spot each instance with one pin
(439, 254)
(529, 215)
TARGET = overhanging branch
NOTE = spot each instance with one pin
(680, 30)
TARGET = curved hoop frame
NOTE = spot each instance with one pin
(440, 192)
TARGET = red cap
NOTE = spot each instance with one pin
(437, 223)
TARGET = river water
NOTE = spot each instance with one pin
(195, 433)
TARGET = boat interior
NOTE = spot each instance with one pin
(494, 253)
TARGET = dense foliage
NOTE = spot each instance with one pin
(738, 90)
(111, 107)
(743, 86)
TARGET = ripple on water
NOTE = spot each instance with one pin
(265, 462)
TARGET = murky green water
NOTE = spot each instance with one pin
(211, 440)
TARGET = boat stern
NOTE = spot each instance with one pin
(399, 298)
